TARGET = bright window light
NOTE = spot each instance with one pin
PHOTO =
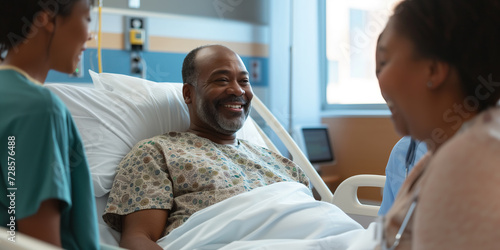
(352, 29)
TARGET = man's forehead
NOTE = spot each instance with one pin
(223, 71)
(215, 58)
(214, 53)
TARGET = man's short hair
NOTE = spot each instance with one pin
(189, 72)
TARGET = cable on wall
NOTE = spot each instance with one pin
(99, 38)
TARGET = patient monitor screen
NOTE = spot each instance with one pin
(317, 143)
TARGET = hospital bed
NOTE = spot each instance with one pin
(121, 110)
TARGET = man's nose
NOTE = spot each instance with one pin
(235, 89)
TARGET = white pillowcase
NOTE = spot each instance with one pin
(121, 111)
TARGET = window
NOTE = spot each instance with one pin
(351, 31)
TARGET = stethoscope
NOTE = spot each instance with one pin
(410, 156)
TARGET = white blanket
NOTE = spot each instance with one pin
(279, 216)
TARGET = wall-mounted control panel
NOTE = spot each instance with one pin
(136, 35)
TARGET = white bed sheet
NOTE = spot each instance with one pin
(279, 216)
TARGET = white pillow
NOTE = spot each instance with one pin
(121, 111)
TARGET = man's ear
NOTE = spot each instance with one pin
(187, 92)
(439, 73)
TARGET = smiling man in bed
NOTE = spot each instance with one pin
(167, 178)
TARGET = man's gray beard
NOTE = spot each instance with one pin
(209, 115)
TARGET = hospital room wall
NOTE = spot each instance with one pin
(174, 28)
(361, 144)
(249, 11)
(294, 64)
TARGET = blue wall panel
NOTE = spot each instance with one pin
(161, 66)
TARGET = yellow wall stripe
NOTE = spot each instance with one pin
(180, 45)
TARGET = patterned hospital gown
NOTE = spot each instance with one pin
(185, 173)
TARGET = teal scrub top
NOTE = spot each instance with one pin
(42, 157)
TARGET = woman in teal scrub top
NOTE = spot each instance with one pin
(45, 184)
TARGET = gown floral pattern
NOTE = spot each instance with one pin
(184, 173)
